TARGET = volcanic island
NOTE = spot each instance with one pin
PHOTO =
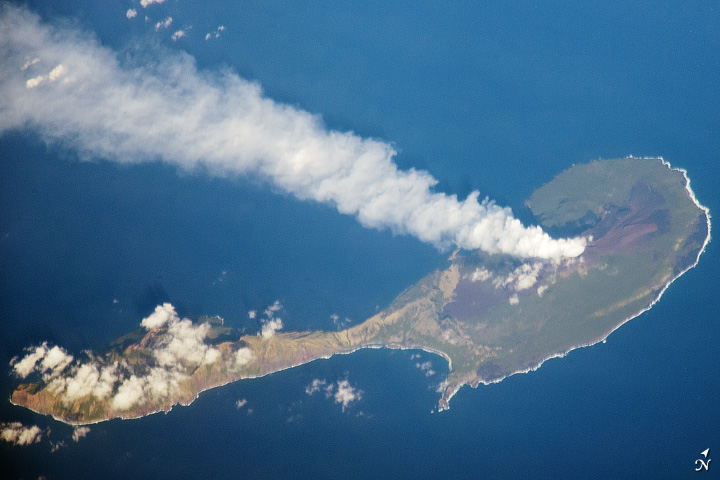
(489, 316)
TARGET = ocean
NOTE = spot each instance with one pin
(485, 97)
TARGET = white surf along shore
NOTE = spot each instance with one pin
(447, 396)
(604, 337)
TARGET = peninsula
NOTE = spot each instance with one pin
(489, 316)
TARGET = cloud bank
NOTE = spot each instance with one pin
(18, 434)
(178, 348)
(168, 110)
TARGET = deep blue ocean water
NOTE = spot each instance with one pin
(488, 97)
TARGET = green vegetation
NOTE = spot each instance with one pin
(645, 229)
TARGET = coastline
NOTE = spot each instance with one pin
(451, 389)
(603, 338)
(169, 408)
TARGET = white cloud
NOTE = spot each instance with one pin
(522, 278)
(216, 33)
(177, 346)
(442, 386)
(527, 277)
(55, 446)
(129, 394)
(35, 81)
(82, 383)
(252, 314)
(241, 403)
(243, 356)
(178, 35)
(81, 380)
(57, 72)
(270, 327)
(480, 275)
(29, 63)
(169, 110)
(56, 359)
(131, 13)
(146, 3)
(346, 394)
(163, 314)
(18, 434)
(339, 322)
(80, 432)
(164, 23)
(514, 300)
(315, 386)
(26, 366)
(426, 367)
(273, 309)
(341, 391)
(183, 345)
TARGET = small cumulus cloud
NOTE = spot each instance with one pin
(183, 32)
(442, 386)
(315, 386)
(342, 392)
(480, 275)
(131, 13)
(273, 309)
(18, 434)
(340, 323)
(162, 315)
(56, 359)
(56, 73)
(426, 367)
(147, 3)
(22, 368)
(522, 278)
(80, 432)
(216, 33)
(252, 314)
(34, 82)
(55, 446)
(346, 394)
(243, 356)
(270, 327)
(514, 300)
(163, 23)
(271, 323)
(29, 63)
(241, 403)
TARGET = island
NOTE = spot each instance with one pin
(489, 316)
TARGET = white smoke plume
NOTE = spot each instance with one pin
(168, 110)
